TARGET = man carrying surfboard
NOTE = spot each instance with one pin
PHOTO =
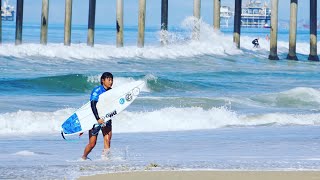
(106, 82)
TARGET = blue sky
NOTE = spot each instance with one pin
(105, 12)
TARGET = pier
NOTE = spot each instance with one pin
(91, 22)
(274, 31)
(239, 13)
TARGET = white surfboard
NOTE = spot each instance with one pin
(110, 103)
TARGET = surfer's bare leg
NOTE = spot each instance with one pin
(107, 135)
(107, 140)
(90, 145)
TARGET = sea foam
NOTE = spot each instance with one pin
(165, 119)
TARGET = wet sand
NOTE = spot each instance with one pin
(209, 175)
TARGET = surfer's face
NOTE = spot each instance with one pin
(107, 82)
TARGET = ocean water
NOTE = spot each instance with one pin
(206, 104)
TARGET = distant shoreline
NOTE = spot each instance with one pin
(209, 175)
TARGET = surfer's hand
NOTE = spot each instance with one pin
(100, 121)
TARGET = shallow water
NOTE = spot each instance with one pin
(206, 104)
(237, 148)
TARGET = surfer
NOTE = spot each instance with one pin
(106, 82)
(255, 43)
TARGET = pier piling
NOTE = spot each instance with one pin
(91, 22)
(67, 23)
(119, 23)
(164, 22)
(164, 15)
(293, 30)
(274, 30)
(19, 22)
(44, 22)
(216, 21)
(196, 15)
(141, 22)
(0, 24)
(196, 8)
(313, 31)
(237, 23)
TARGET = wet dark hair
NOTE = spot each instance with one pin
(105, 75)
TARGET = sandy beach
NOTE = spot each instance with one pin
(210, 175)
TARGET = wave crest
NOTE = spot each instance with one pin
(297, 97)
(166, 119)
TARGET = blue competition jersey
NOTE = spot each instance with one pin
(96, 93)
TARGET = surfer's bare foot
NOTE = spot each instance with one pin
(106, 154)
(85, 158)
(105, 151)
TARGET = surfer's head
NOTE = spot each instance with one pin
(104, 76)
(106, 79)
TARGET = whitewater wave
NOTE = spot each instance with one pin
(166, 119)
(180, 44)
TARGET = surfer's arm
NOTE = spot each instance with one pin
(94, 109)
(94, 100)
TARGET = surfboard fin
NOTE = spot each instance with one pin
(63, 135)
(80, 134)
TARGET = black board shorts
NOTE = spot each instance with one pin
(105, 129)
